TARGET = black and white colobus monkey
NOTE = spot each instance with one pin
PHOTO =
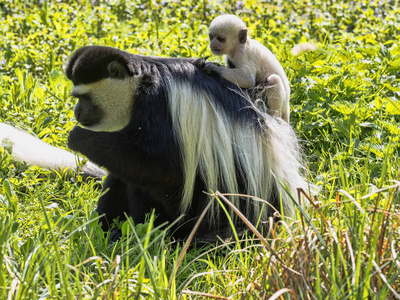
(167, 132)
(249, 62)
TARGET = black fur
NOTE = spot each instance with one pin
(230, 64)
(90, 64)
(144, 159)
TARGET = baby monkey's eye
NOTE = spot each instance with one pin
(210, 36)
(222, 40)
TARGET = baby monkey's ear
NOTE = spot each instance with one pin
(242, 36)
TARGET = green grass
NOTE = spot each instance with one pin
(345, 109)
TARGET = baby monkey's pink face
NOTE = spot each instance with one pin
(217, 43)
(226, 34)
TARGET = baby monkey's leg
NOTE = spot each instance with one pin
(278, 101)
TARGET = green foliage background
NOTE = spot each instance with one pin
(345, 109)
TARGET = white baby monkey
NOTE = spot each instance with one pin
(249, 62)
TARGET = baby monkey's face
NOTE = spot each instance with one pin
(227, 35)
(217, 43)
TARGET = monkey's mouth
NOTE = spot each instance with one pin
(215, 51)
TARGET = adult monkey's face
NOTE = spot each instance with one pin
(105, 105)
(104, 86)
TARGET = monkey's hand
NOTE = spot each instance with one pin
(211, 68)
(78, 138)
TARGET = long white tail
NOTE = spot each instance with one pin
(34, 152)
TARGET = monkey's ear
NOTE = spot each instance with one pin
(116, 70)
(242, 36)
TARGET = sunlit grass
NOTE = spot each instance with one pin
(344, 244)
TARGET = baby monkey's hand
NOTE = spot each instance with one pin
(210, 68)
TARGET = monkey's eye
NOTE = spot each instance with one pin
(222, 40)
(210, 36)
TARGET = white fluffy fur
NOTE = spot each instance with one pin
(254, 63)
(31, 150)
(115, 97)
(211, 144)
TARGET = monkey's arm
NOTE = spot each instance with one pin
(240, 76)
(126, 154)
